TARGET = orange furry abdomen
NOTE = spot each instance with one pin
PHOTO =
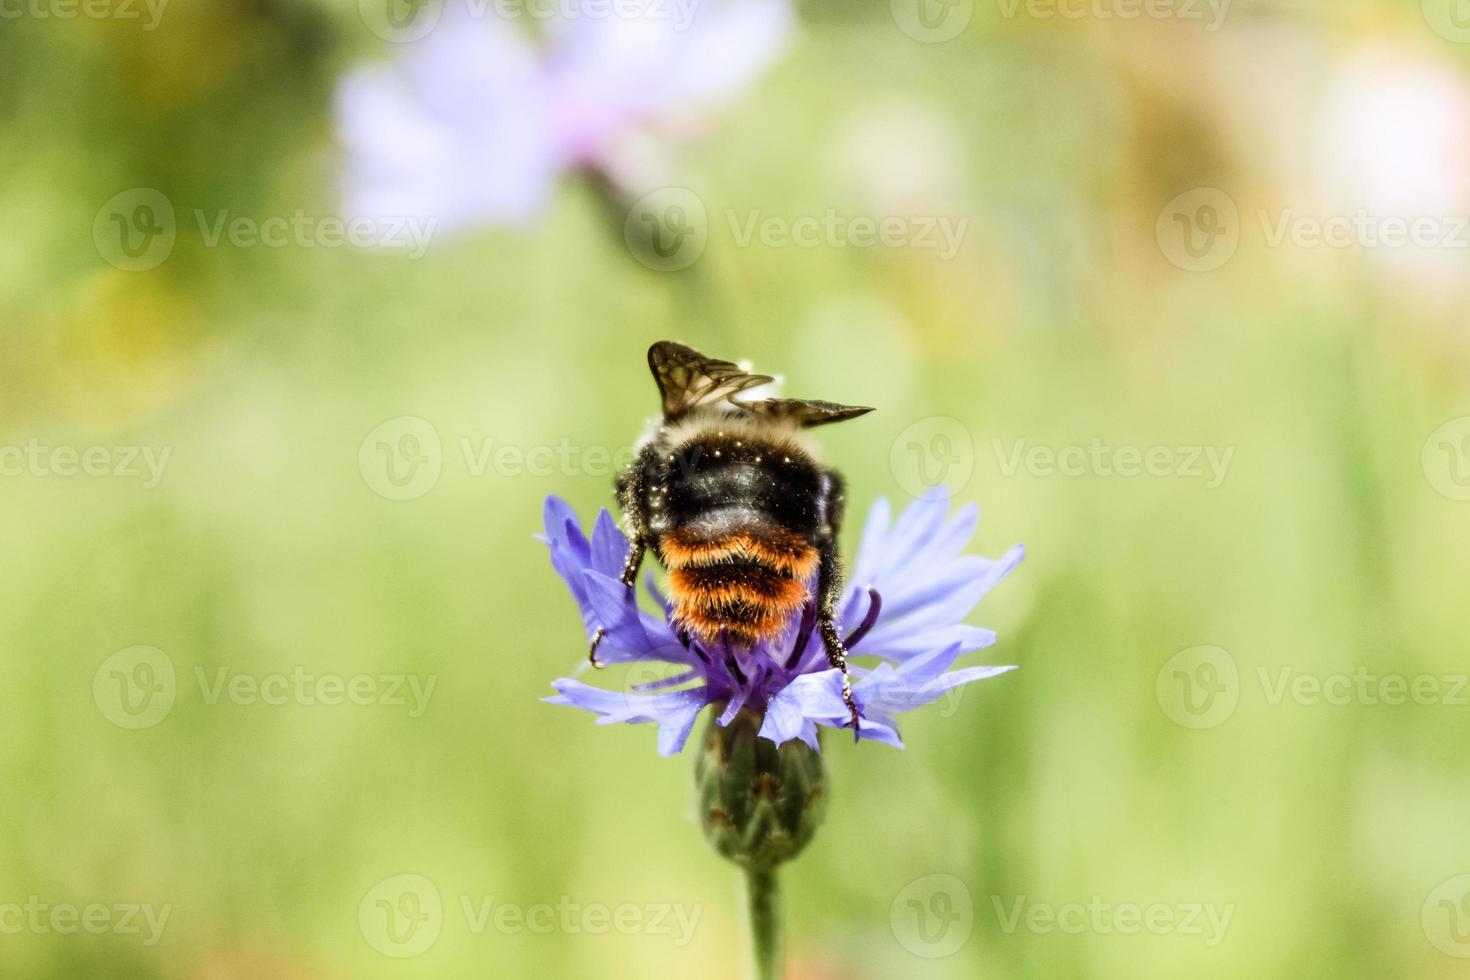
(747, 584)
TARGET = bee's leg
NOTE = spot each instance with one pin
(630, 486)
(633, 497)
(634, 561)
(829, 591)
(629, 575)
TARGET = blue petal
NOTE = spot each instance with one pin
(916, 529)
(629, 633)
(784, 719)
(938, 582)
(609, 547)
(870, 551)
(673, 711)
(896, 641)
(918, 681)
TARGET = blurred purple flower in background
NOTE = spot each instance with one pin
(476, 122)
(912, 589)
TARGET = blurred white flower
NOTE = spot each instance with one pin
(902, 156)
(476, 121)
(1395, 134)
(1393, 145)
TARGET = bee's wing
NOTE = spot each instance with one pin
(805, 413)
(688, 379)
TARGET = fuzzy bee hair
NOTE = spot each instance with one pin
(730, 495)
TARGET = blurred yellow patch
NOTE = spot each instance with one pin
(124, 348)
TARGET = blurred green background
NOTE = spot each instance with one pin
(1332, 544)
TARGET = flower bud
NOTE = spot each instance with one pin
(759, 805)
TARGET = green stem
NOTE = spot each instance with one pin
(765, 922)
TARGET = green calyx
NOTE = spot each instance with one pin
(759, 805)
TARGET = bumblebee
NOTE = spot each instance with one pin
(730, 496)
